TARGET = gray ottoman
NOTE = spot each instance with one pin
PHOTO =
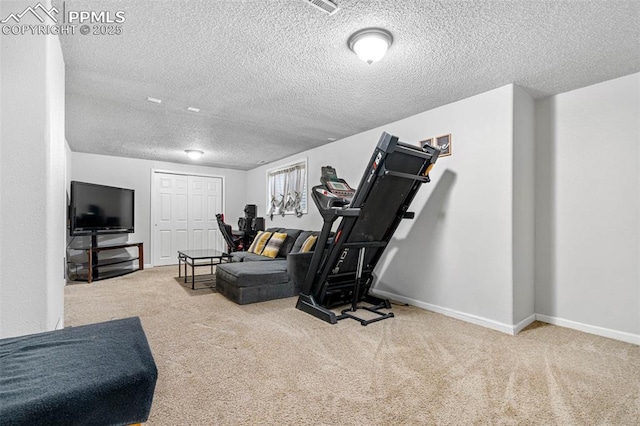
(97, 374)
(251, 282)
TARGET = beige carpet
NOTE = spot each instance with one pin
(268, 363)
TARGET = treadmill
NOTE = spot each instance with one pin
(342, 272)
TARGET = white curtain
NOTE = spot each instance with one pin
(286, 190)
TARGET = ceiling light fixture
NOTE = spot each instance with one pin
(194, 154)
(154, 100)
(193, 109)
(370, 44)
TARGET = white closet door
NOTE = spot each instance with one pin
(205, 200)
(171, 219)
(184, 215)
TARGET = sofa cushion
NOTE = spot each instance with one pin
(253, 274)
(245, 256)
(301, 239)
(259, 242)
(292, 235)
(273, 246)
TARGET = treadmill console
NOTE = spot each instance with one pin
(338, 188)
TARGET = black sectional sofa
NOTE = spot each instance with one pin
(252, 278)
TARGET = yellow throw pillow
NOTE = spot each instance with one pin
(274, 244)
(259, 242)
(308, 244)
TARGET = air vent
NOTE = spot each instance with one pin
(324, 5)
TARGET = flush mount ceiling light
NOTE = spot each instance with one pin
(194, 154)
(370, 44)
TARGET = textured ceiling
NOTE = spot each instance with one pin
(273, 78)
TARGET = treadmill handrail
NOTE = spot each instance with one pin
(355, 244)
(336, 212)
(423, 179)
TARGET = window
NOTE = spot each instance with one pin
(287, 189)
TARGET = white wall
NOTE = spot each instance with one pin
(136, 174)
(1, 184)
(32, 209)
(456, 255)
(499, 238)
(55, 182)
(523, 207)
(587, 208)
(349, 156)
(68, 156)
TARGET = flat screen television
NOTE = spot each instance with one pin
(99, 209)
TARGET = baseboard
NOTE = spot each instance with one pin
(524, 324)
(148, 266)
(516, 328)
(473, 319)
(591, 329)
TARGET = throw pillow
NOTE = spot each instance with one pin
(308, 244)
(273, 246)
(259, 242)
(300, 239)
(292, 235)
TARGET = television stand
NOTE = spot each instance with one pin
(116, 265)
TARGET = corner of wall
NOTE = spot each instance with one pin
(544, 158)
(33, 169)
(587, 234)
(1, 218)
(56, 184)
(523, 205)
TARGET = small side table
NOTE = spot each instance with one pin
(196, 258)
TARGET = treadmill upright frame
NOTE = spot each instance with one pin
(341, 270)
